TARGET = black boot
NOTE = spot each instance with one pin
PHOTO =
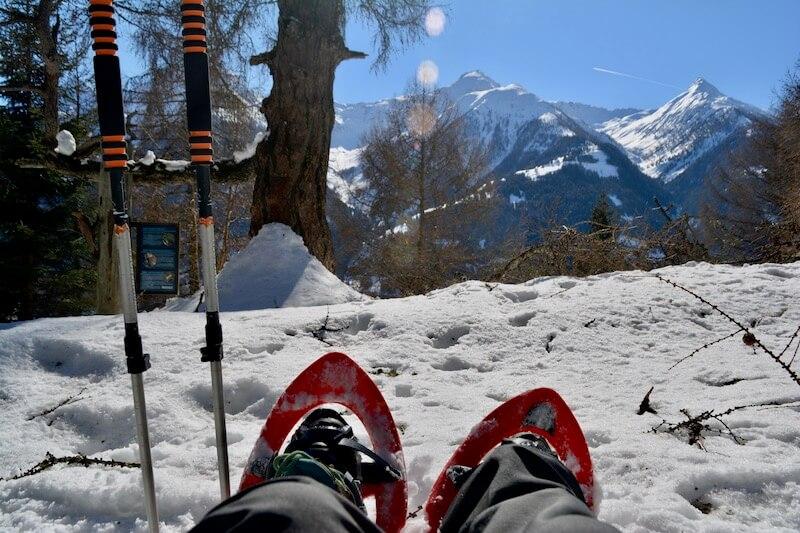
(315, 451)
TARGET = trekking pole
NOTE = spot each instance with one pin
(198, 115)
(115, 159)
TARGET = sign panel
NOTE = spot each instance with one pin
(157, 255)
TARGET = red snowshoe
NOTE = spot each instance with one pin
(337, 379)
(539, 411)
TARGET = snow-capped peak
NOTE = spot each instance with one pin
(702, 85)
(668, 141)
(470, 82)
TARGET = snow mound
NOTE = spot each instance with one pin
(277, 270)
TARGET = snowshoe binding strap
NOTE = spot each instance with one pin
(379, 471)
(325, 436)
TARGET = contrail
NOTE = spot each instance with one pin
(631, 76)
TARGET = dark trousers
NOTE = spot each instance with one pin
(516, 488)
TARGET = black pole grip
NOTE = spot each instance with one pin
(108, 81)
(198, 92)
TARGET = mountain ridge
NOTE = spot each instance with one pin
(555, 159)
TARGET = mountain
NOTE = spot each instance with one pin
(548, 166)
(593, 116)
(685, 139)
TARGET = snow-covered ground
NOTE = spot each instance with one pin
(442, 360)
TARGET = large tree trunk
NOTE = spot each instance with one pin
(107, 300)
(48, 38)
(292, 163)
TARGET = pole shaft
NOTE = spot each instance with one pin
(198, 117)
(219, 425)
(145, 459)
(108, 81)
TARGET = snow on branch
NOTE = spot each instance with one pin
(145, 170)
(66, 143)
(74, 160)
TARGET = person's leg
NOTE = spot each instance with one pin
(521, 488)
(288, 504)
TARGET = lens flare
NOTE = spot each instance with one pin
(435, 21)
(427, 73)
(421, 120)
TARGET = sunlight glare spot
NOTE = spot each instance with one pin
(427, 73)
(421, 120)
(435, 21)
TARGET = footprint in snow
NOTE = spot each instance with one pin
(245, 394)
(71, 358)
(448, 337)
(454, 363)
(521, 319)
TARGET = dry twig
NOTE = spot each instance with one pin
(72, 399)
(795, 377)
(50, 461)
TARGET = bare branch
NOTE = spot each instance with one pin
(795, 377)
(352, 54)
(72, 399)
(50, 461)
(21, 89)
(703, 347)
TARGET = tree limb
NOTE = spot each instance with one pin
(264, 58)
(352, 54)
(20, 89)
(227, 170)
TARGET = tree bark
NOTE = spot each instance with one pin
(421, 230)
(292, 163)
(107, 300)
(48, 38)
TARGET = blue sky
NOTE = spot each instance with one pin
(744, 47)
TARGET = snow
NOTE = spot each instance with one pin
(456, 353)
(666, 141)
(601, 166)
(513, 199)
(542, 170)
(598, 165)
(66, 143)
(435, 20)
(615, 200)
(428, 73)
(344, 176)
(249, 150)
(277, 270)
(174, 165)
(148, 159)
